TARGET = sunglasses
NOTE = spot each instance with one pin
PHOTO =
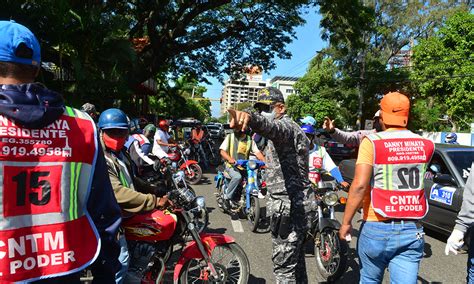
(116, 132)
(264, 108)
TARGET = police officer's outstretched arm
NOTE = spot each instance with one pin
(272, 130)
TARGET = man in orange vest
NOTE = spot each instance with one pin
(389, 183)
(58, 211)
(197, 136)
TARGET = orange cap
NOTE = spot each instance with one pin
(395, 109)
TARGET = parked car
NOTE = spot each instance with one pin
(337, 151)
(444, 183)
(215, 131)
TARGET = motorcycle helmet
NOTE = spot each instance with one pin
(308, 129)
(113, 118)
(309, 120)
(150, 128)
(164, 125)
(451, 138)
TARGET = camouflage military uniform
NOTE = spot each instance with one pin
(287, 182)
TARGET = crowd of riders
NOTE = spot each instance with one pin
(94, 163)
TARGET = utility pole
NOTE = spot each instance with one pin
(361, 91)
(192, 95)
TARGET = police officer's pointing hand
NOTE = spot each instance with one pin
(239, 119)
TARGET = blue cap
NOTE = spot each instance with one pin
(12, 35)
(309, 120)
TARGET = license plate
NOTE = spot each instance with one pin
(442, 194)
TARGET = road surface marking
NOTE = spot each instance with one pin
(237, 226)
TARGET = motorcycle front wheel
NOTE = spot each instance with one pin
(229, 260)
(220, 195)
(253, 214)
(331, 254)
(194, 174)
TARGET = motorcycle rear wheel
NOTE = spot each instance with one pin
(194, 175)
(230, 270)
(331, 260)
(253, 214)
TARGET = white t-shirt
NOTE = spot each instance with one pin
(163, 137)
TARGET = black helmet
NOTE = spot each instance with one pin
(269, 96)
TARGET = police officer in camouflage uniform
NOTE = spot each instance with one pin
(287, 181)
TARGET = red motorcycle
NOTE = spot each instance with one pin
(203, 258)
(179, 156)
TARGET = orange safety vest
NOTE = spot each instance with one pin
(400, 161)
(45, 180)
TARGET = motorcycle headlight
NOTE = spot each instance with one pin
(330, 198)
(200, 202)
(187, 152)
(252, 165)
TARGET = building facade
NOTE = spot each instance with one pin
(240, 91)
(246, 89)
(284, 84)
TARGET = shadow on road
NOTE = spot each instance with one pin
(216, 231)
(256, 280)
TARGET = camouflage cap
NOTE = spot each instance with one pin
(89, 108)
(269, 96)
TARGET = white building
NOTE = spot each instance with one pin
(284, 84)
(240, 91)
(246, 89)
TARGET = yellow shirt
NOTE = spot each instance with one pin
(366, 156)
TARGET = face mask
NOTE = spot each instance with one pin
(269, 115)
(114, 143)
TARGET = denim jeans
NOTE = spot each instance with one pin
(398, 247)
(236, 177)
(470, 259)
(202, 153)
(124, 259)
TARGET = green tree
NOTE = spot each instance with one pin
(182, 98)
(366, 37)
(321, 93)
(108, 48)
(443, 70)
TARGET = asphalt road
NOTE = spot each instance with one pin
(435, 267)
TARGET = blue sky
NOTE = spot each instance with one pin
(303, 48)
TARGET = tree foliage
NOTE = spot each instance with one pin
(444, 70)
(364, 41)
(107, 48)
(320, 93)
(178, 101)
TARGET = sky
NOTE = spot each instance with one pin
(303, 48)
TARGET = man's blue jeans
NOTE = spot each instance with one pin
(398, 247)
(124, 259)
(236, 177)
(470, 259)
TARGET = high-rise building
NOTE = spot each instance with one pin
(242, 90)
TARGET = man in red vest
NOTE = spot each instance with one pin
(389, 183)
(58, 213)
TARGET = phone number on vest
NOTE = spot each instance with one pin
(43, 151)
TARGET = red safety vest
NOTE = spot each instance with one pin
(316, 164)
(45, 180)
(400, 161)
(141, 139)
